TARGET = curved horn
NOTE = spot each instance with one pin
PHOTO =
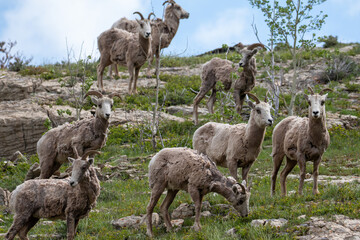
(266, 97)
(243, 188)
(89, 152)
(95, 93)
(112, 95)
(142, 17)
(255, 45)
(253, 97)
(150, 15)
(239, 45)
(325, 90)
(169, 1)
(311, 90)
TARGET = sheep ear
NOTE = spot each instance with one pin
(251, 104)
(254, 51)
(306, 97)
(91, 161)
(243, 183)
(94, 100)
(71, 160)
(235, 189)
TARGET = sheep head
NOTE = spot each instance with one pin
(176, 9)
(103, 103)
(144, 25)
(242, 198)
(80, 166)
(260, 111)
(316, 103)
(247, 52)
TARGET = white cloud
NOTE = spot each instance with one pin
(228, 27)
(41, 27)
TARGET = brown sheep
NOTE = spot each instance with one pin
(301, 140)
(66, 199)
(184, 169)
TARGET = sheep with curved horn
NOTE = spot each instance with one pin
(70, 140)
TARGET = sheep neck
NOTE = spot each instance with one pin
(249, 71)
(172, 22)
(144, 44)
(101, 125)
(90, 185)
(317, 129)
(222, 188)
(254, 134)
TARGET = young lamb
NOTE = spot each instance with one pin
(66, 199)
(301, 140)
(163, 31)
(233, 146)
(124, 48)
(184, 169)
(55, 146)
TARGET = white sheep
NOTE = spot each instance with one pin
(55, 146)
(233, 146)
(184, 169)
(301, 140)
(66, 199)
(118, 46)
(222, 70)
(162, 31)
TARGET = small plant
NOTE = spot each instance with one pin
(338, 68)
(329, 41)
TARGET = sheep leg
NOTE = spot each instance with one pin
(277, 160)
(48, 170)
(148, 71)
(70, 223)
(18, 223)
(137, 70)
(197, 198)
(100, 72)
(131, 76)
(239, 101)
(164, 208)
(115, 66)
(211, 101)
(201, 94)
(302, 166)
(23, 232)
(315, 176)
(232, 166)
(290, 164)
(245, 172)
(156, 192)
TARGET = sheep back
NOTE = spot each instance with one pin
(58, 142)
(48, 198)
(218, 69)
(222, 142)
(180, 167)
(107, 38)
(126, 24)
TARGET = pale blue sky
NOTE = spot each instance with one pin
(42, 27)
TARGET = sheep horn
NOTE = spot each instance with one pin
(243, 188)
(89, 152)
(169, 1)
(311, 90)
(266, 97)
(142, 17)
(112, 95)
(239, 45)
(253, 97)
(95, 93)
(255, 45)
(325, 90)
(150, 15)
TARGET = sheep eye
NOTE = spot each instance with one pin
(322, 103)
(258, 111)
(240, 202)
(99, 105)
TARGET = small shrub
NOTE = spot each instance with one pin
(19, 63)
(338, 68)
(329, 41)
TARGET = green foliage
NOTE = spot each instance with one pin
(339, 67)
(329, 41)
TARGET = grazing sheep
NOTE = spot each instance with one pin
(55, 146)
(301, 140)
(162, 31)
(66, 199)
(233, 146)
(184, 169)
(221, 70)
(124, 48)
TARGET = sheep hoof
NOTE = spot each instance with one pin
(196, 227)
(316, 192)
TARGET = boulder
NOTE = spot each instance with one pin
(134, 221)
(183, 211)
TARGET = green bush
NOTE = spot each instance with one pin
(329, 41)
(338, 68)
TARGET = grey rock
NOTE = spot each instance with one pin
(232, 232)
(183, 211)
(33, 172)
(134, 221)
(4, 197)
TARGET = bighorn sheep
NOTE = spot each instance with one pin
(233, 146)
(55, 146)
(162, 31)
(184, 169)
(125, 48)
(222, 70)
(67, 199)
(301, 140)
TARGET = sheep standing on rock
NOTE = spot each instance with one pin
(233, 146)
(121, 47)
(301, 140)
(222, 70)
(162, 31)
(184, 169)
(66, 199)
(55, 146)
